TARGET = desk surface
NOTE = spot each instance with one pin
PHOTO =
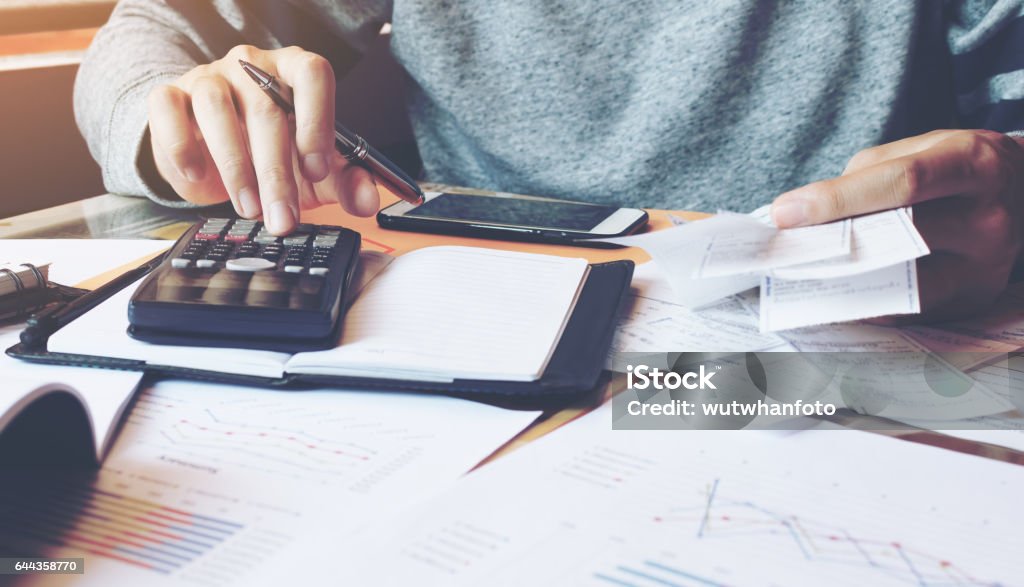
(109, 216)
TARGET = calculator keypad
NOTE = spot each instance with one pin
(246, 245)
(235, 282)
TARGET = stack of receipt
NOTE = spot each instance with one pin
(846, 270)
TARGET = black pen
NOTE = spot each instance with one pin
(352, 146)
(40, 326)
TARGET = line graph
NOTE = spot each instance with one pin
(722, 518)
(270, 435)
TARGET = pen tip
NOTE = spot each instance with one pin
(243, 63)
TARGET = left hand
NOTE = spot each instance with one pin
(966, 190)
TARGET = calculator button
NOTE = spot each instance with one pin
(206, 263)
(180, 263)
(236, 237)
(318, 270)
(293, 268)
(249, 264)
(296, 241)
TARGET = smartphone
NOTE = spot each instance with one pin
(513, 217)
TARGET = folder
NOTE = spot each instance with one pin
(574, 367)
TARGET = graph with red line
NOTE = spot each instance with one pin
(271, 436)
(724, 518)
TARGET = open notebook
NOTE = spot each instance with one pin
(434, 315)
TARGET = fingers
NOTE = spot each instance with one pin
(214, 108)
(900, 148)
(964, 163)
(312, 83)
(173, 134)
(351, 186)
(270, 146)
(216, 134)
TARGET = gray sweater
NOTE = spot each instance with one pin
(678, 104)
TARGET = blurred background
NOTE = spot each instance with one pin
(44, 160)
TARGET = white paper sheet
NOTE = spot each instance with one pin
(103, 392)
(855, 277)
(791, 304)
(75, 260)
(966, 343)
(606, 507)
(762, 249)
(880, 240)
(228, 483)
(652, 321)
(679, 250)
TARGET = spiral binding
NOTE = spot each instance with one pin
(21, 290)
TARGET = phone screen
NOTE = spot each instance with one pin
(514, 212)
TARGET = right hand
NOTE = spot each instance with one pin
(216, 136)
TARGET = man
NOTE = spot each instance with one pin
(697, 105)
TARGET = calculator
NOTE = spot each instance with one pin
(230, 282)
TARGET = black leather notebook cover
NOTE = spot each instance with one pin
(575, 367)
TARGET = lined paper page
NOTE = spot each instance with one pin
(446, 313)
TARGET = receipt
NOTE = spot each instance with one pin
(678, 252)
(762, 248)
(837, 272)
(789, 304)
(652, 321)
(880, 240)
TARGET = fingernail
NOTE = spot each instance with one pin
(315, 165)
(248, 203)
(279, 217)
(790, 212)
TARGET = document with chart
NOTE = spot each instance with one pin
(610, 507)
(219, 485)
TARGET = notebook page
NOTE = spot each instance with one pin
(103, 331)
(444, 313)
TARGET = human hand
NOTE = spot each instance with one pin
(215, 135)
(965, 189)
